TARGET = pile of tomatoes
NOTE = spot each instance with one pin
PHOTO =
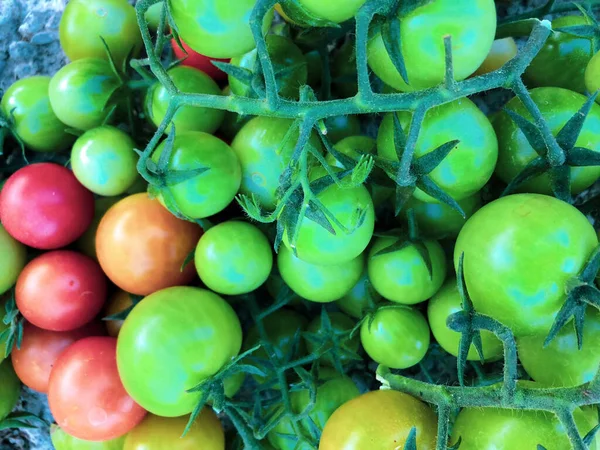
(144, 300)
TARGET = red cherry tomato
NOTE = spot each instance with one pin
(199, 61)
(61, 290)
(44, 206)
(86, 396)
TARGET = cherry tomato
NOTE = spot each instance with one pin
(380, 420)
(361, 297)
(520, 252)
(332, 11)
(10, 388)
(104, 161)
(198, 61)
(26, 101)
(141, 246)
(117, 303)
(13, 255)
(502, 51)
(61, 440)
(341, 326)
(86, 244)
(592, 75)
(170, 342)
(44, 206)
(153, 17)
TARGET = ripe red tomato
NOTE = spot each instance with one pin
(199, 61)
(44, 206)
(86, 396)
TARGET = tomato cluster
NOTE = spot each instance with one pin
(265, 261)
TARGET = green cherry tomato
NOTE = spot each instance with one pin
(340, 127)
(322, 284)
(61, 440)
(13, 256)
(216, 28)
(520, 253)
(402, 276)
(332, 11)
(443, 304)
(344, 80)
(341, 325)
(289, 63)
(27, 103)
(10, 388)
(104, 161)
(592, 75)
(361, 297)
(470, 23)
(561, 363)
(397, 337)
(233, 258)
(153, 16)
(187, 118)
(171, 341)
(80, 93)
(85, 22)
(468, 166)
(211, 191)
(557, 106)
(86, 244)
(563, 59)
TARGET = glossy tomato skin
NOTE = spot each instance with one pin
(40, 349)
(61, 290)
(592, 75)
(188, 80)
(170, 342)
(13, 255)
(380, 420)
(321, 284)
(468, 166)
(86, 244)
(10, 388)
(156, 433)
(397, 338)
(557, 106)
(117, 303)
(502, 51)
(520, 251)
(61, 440)
(446, 302)
(332, 11)
(141, 246)
(471, 25)
(104, 161)
(360, 298)
(211, 191)
(86, 396)
(217, 29)
(233, 258)
(26, 101)
(80, 93)
(83, 23)
(341, 325)
(194, 59)
(44, 206)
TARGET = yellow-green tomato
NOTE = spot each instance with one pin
(592, 75)
(87, 242)
(502, 51)
(153, 16)
(443, 304)
(341, 325)
(61, 440)
(13, 255)
(361, 297)
(331, 10)
(187, 118)
(233, 258)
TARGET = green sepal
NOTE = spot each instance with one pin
(428, 162)
(411, 440)
(390, 33)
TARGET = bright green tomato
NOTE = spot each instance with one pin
(216, 28)
(61, 440)
(333, 11)
(153, 16)
(85, 22)
(471, 24)
(402, 276)
(592, 75)
(211, 191)
(343, 71)
(443, 304)
(13, 256)
(232, 122)
(233, 258)
(322, 284)
(26, 102)
(104, 161)
(361, 297)
(562, 363)
(341, 324)
(80, 93)
(521, 251)
(289, 63)
(341, 127)
(264, 154)
(562, 60)
(171, 341)
(10, 388)
(557, 106)
(187, 118)
(397, 337)
(469, 165)
(86, 244)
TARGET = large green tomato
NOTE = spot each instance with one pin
(361, 297)
(216, 28)
(26, 101)
(443, 304)
(13, 256)
(170, 342)
(592, 75)
(340, 324)
(470, 23)
(557, 106)
(211, 191)
(104, 161)
(520, 253)
(10, 388)
(187, 118)
(468, 166)
(61, 440)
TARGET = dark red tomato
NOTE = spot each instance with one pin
(199, 61)
(61, 290)
(44, 206)
(40, 349)
(86, 396)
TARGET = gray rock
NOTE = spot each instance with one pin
(21, 51)
(34, 22)
(44, 37)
